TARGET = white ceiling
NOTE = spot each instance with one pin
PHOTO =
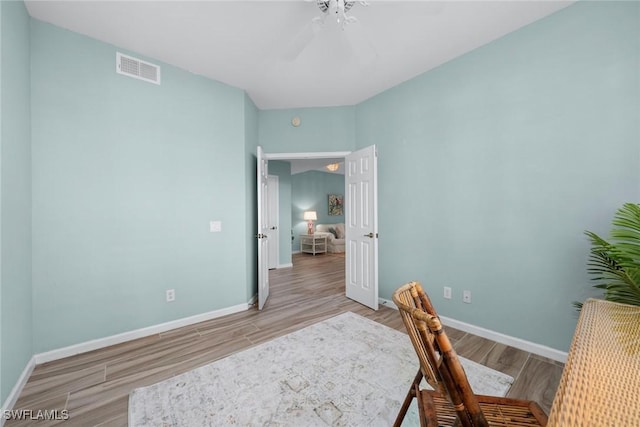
(252, 44)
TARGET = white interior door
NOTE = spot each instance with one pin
(361, 226)
(272, 221)
(263, 250)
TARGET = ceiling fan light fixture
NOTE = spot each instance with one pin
(333, 167)
(339, 8)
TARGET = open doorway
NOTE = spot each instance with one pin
(305, 185)
(360, 221)
(317, 190)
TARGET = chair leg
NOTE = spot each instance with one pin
(407, 400)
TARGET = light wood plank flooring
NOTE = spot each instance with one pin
(94, 387)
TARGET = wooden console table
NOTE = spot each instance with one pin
(600, 383)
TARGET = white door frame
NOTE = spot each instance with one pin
(298, 156)
(315, 155)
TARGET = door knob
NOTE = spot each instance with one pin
(370, 235)
(274, 228)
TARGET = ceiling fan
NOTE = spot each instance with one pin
(331, 10)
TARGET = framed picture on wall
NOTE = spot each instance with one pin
(335, 204)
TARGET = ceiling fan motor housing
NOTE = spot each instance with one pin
(325, 5)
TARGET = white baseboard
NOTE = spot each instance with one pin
(17, 389)
(288, 265)
(132, 335)
(253, 300)
(528, 346)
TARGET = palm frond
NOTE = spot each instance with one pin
(615, 265)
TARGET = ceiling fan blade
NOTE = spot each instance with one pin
(360, 43)
(302, 39)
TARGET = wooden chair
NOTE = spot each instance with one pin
(452, 402)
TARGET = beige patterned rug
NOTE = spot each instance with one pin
(344, 371)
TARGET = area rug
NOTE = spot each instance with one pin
(344, 371)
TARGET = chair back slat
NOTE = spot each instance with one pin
(422, 340)
(438, 360)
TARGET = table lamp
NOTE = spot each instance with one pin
(310, 216)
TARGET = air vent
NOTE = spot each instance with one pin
(137, 68)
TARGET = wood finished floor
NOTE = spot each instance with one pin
(94, 387)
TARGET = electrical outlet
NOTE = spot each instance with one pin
(466, 297)
(447, 292)
(171, 295)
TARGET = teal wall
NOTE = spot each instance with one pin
(282, 170)
(320, 130)
(15, 196)
(492, 166)
(251, 212)
(309, 192)
(126, 177)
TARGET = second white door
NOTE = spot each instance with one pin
(361, 226)
(272, 221)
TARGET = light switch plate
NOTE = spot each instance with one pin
(215, 226)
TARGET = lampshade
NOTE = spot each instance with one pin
(310, 216)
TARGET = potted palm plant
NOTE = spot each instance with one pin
(615, 264)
